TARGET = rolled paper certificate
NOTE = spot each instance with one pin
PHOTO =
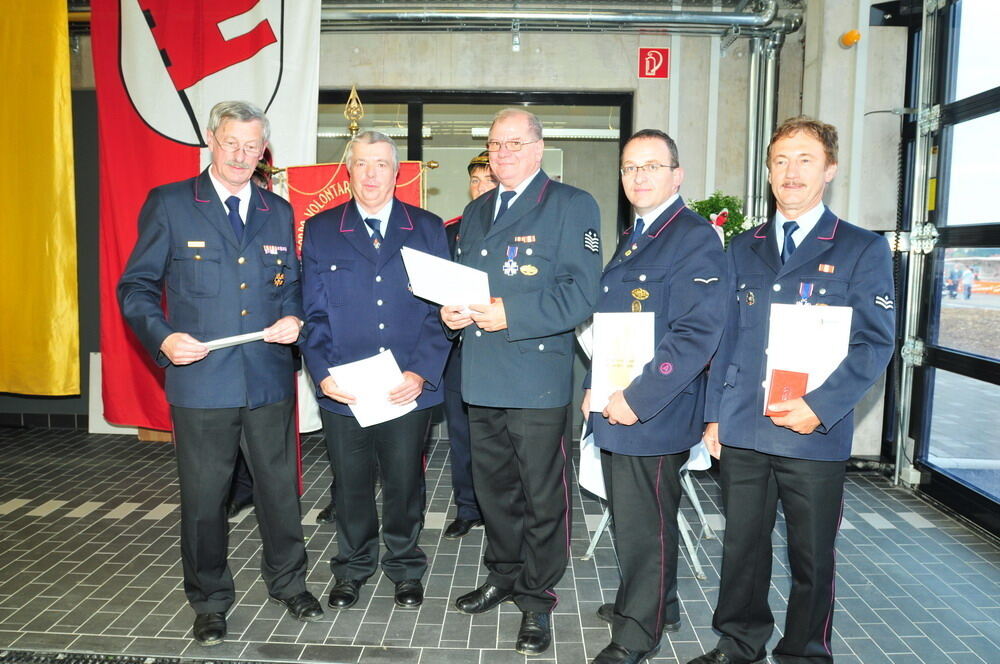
(226, 342)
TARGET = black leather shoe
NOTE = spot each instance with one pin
(716, 656)
(327, 514)
(409, 594)
(344, 593)
(535, 634)
(606, 612)
(234, 508)
(483, 598)
(304, 607)
(210, 628)
(459, 528)
(617, 654)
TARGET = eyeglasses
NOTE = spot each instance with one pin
(630, 171)
(514, 145)
(232, 145)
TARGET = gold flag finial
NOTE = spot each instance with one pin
(354, 111)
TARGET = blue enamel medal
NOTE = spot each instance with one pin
(510, 265)
(805, 291)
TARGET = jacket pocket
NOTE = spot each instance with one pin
(337, 276)
(277, 272)
(750, 295)
(195, 271)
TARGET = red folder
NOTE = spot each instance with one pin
(785, 386)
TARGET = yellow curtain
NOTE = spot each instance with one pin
(39, 331)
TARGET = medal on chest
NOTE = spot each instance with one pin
(510, 265)
(805, 291)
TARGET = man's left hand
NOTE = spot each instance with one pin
(618, 411)
(408, 390)
(284, 331)
(491, 317)
(798, 416)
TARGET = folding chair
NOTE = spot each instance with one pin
(699, 459)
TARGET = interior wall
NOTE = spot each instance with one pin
(702, 104)
(843, 86)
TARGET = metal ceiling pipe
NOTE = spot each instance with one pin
(382, 13)
(754, 111)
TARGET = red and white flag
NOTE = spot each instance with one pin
(160, 66)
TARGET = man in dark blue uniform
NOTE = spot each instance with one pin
(672, 264)
(222, 250)
(358, 304)
(539, 242)
(467, 515)
(807, 255)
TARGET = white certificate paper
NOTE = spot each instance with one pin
(226, 342)
(370, 380)
(443, 281)
(623, 345)
(809, 339)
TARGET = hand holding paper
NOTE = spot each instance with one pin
(330, 389)
(408, 390)
(490, 317)
(456, 316)
(181, 348)
(285, 330)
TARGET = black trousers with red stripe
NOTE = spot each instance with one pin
(519, 468)
(811, 495)
(644, 492)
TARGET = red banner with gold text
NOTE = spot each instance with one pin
(312, 189)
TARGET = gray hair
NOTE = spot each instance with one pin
(534, 124)
(242, 111)
(368, 138)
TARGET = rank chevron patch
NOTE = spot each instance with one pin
(592, 241)
(884, 301)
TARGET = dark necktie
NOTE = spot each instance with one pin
(637, 229)
(233, 203)
(788, 246)
(504, 204)
(376, 234)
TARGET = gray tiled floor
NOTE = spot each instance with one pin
(89, 562)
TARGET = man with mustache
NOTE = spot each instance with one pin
(222, 251)
(796, 452)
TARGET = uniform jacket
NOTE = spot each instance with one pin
(357, 300)
(678, 271)
(847, 266)
(551, 236)
(215, 287)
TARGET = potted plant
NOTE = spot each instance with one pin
(725, 212)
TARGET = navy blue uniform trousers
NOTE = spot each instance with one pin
(811, 495)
